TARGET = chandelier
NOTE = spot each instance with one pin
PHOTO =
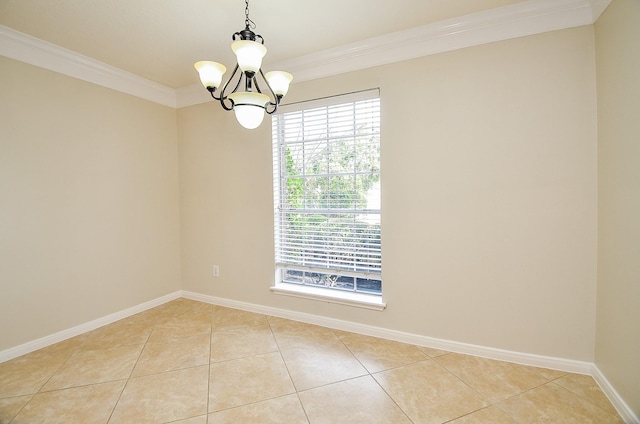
(246, 99)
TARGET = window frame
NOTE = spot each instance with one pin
(369, 299)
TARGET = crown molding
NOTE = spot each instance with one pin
(190, 95)
(517, 20)
(598, 7)
(25, 48)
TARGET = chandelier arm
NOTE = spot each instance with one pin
(269, 105)
(224, 97)
(226, 84)
(212, 91)
(224, 105)
(273, 95)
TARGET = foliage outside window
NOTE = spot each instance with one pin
(327, 194)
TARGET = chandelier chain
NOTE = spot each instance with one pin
(248, 22)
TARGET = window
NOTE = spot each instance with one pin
(327, 193)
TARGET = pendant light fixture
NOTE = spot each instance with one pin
(246, 99)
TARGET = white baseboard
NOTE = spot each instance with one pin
(561, 364)
(568, 365)
(33, 345)
(621, 406)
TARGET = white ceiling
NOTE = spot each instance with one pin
(161, 39)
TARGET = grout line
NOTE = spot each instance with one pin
(334, 382)
(296, 391)
(23, 406)
(156, 321)
(472, 412)
(482, 395)
(255, 402)
(372, 377)
(33, 395)
(213, 311)
(130, 374)
(57, 369)
(583, 398)
(352, 353)
(391, 397)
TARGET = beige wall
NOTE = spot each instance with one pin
(489, 197)
(89, 219)
(618, 312)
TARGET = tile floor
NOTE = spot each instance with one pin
(191, 362)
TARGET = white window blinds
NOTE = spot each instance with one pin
(327, 193)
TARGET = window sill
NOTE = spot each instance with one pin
(359, 300)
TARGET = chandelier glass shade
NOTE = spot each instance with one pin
(242, 92)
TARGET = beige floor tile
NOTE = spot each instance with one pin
(180, 306)
(432, 353)
(177, 331)
(380, 354)
(145, 319)
(163, 397)
(281, 410)
(290, 334)
(428, 393)
(202, 419)
(9, 407)
(550, 374)
(490, 415)
(319, 365)
(86, 404)
(247, 380)
(192, 306)
(360, 400)
(241, 342)
(342, 334)
(180, 309)
(61, 350)
(586, 387)
(27, 374)
(175, 354)
(495, 380)
(197, 313)
(200, 316)
(194, 363)
(226, 318)
(116, 334)
(95, 366)
(554, 404)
